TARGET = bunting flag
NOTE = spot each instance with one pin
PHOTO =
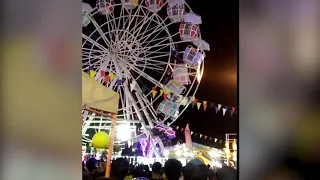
(112, 76)
(106, 79)
(133, 85)
(161, 92)
(154, 92)
(92, 73)
(204, 105)
(102, 73)
(206, 137)
(181, 100)
(119, 82)
(143, 89)
(198, 105)
(165, 96)
(224, 111)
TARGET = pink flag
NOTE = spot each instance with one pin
(187, 135)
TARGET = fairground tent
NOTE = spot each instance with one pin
(97, 96)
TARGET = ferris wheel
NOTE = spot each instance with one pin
(151, 53)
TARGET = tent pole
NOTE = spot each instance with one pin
(110, 149)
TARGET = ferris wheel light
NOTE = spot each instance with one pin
(234, 145)
(178, 153)
(185, 154)
(213, 154)
(166, 152)
(227, 151)
(123, 132)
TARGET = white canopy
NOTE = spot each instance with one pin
(97, 96)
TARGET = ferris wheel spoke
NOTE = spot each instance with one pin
(87, 50)
(146, 76)
(144, 21)
(157, 45)
(160, 27)
(98, 28)
(151, 29)
(110, 33)
(115, 27)
(168, 39)
(158, 39)
(95, 43)
(131, 20)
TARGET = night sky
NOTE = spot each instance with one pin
(219, 82)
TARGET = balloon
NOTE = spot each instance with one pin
(100, 140)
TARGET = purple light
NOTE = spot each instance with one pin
(167, 131)
(144, 143)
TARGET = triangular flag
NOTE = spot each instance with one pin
(119, 82)
(133, 85)
(165, 95)
(102, 73)
(220, 141)
(177, 127)
(106, 79)
(90, 68)
(219, 106)
(212, 105)
(232, 111)
(198, 105)
(195, 101)
(204, 107)
(174, 98)
(154, 92)
(210, 138)
(161, 92)
(205, 137)
(215, 139)
(217, 109)
(182, 129)
(191, 132)
(224, 111)
(200, 135)
(175, 52)
(144, 89)
(189, 100)
(112, 76)
(169, 95)
(92, 73)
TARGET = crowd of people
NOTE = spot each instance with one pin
(172, 170)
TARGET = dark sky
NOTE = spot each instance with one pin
(219, 82)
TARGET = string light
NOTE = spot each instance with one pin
(234, 145)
